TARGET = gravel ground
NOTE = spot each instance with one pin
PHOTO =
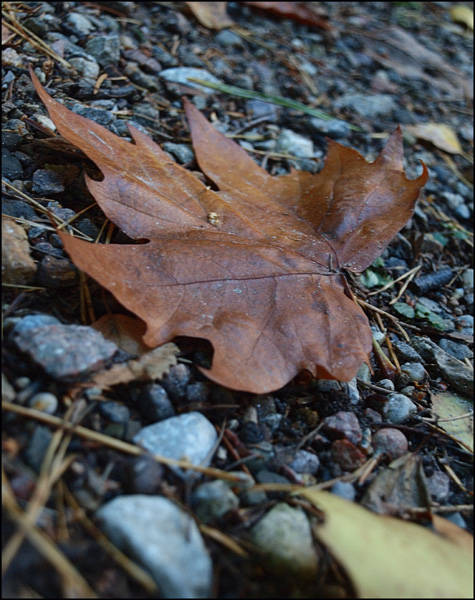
(379, 65)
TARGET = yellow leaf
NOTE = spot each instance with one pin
(442, 136)
(390, 558)
(462, 14)
(449, 405)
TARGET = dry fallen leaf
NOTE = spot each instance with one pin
(212, 15)
(253, 268)
(386, 557)
(297, 11)
(442, 136)
(461, 13)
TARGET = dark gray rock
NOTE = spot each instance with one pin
(114, 412)
(182, 152)
(103, 117)
(105, 49)
(455, 372)
(406, 353)
(11, 166)
(37, 447)
(164, 539)
(455, 349)
(47, 182)
(155, 404)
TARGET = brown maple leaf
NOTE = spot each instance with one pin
(255, 267)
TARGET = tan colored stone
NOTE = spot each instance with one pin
(18, 267)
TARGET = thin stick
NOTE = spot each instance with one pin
(114, 443)
(392, 283)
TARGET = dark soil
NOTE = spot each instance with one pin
(362, 57)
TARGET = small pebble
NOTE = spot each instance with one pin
(387, 384)
(344, 490)
(415, 371)
(155, 404)
(212, 500)
(285, 537)
(176, 381)
(439, 486)
(197, 392)
(44, 401)
(189, 436)
(405, 352)
(305, 462)
(391, 442)
(346, 455)
(143, 475)
(114, 412)
(343, 425)
(398, 408)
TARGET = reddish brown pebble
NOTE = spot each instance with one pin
(391, 442)
(343, 425)
(347, 455)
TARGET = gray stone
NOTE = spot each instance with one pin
(415, 371)
(335, 128)
(114, 412)
(467, 278)
(267, 412)
(105, 49)
(406, 353)
(165, 540)
(11, 166)
(344, 490)
(459, 351)
(462, 212)
(32, 321)
(85, 66)
(103, 117)
(455, 372)
(155, 404)
(189, 436)
(387, 384)
(368, 106)
(439, 486)
(398, 408)
(37, 447)
(305, 462)
(293, 143)
(80, 23)
(182, 152)
(180, 75)
(466, 323)
(228, 39)
(212, 500)
(44, 401)
(47, 182)
(65, 352)
(453, 200)
(285, 536)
